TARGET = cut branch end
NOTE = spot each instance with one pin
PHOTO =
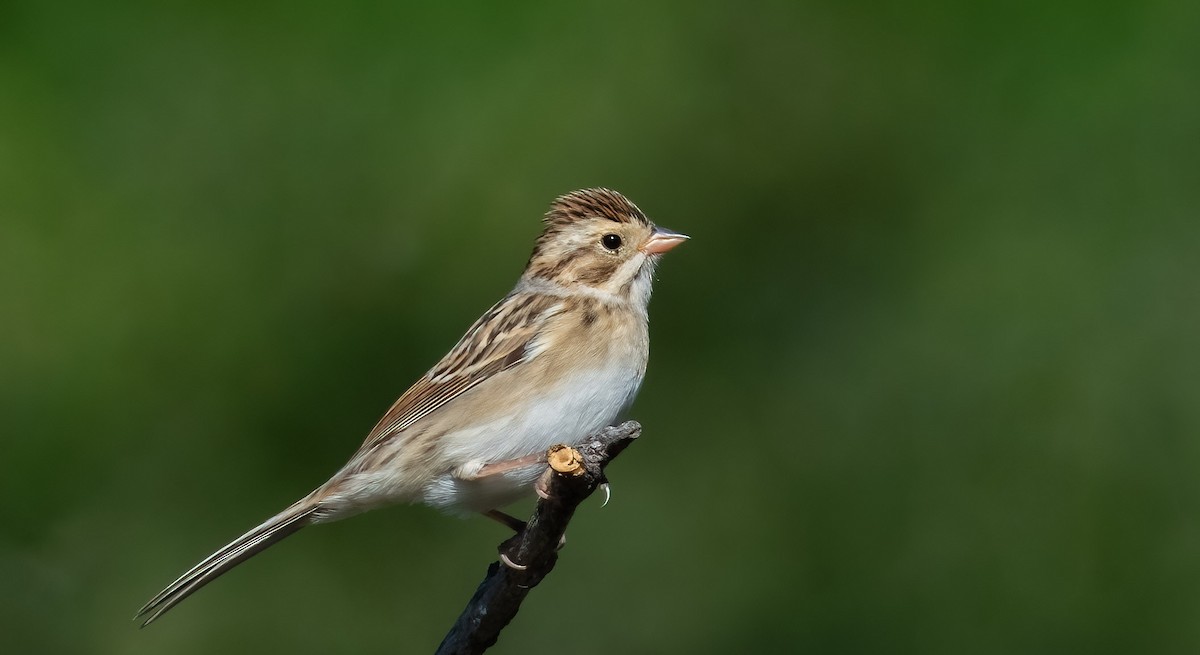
(566, 460)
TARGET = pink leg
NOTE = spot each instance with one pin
(513, 523)
(499, 468)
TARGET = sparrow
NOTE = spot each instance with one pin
(559, 357)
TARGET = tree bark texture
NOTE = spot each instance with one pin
(572, 474)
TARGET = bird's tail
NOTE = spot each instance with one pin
(241, 549)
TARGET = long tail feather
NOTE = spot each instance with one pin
(241, 549)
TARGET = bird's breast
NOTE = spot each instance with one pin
(562, 395)
(528, 414)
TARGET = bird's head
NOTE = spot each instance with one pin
(597, 238)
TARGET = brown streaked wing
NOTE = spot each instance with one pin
(498, 341)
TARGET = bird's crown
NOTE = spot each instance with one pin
(593, 203)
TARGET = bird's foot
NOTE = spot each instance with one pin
(511, 564)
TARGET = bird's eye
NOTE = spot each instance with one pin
(611, 241)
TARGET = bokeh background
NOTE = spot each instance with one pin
(924, 381)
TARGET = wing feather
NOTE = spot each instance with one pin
(504, 337)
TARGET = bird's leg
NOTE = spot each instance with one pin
(480, 471)
(473, 471)
(541, 486)
(517, 525)
(513, 523)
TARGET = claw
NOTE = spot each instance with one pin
(511, 564)
(604, 486)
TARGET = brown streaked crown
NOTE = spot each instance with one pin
(593, 203)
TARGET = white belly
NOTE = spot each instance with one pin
(582, 404)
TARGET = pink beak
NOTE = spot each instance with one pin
(662, 240)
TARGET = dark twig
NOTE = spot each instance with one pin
(572, 476)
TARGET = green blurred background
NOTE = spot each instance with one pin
(924, 381)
